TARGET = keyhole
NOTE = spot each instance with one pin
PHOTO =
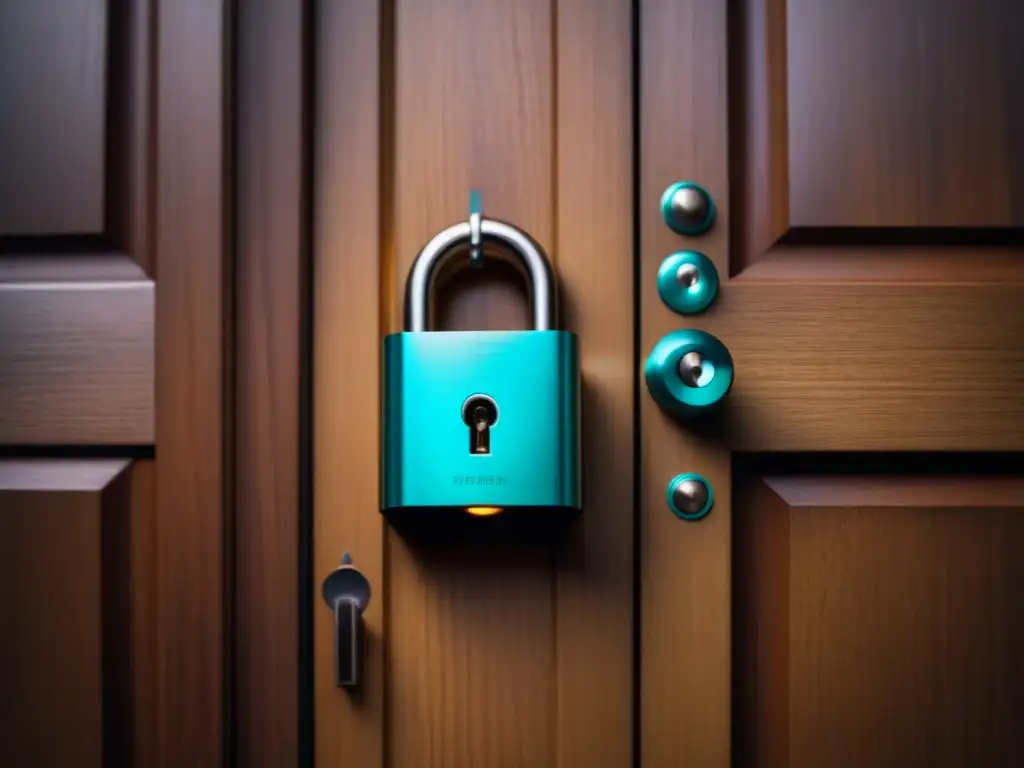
(479, 413)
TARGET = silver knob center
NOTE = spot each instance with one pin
(687, 275)
(689, 206)
(690, 496)
(690, 368)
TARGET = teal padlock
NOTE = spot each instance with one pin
(480, 423)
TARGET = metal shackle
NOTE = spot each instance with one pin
(447, 243)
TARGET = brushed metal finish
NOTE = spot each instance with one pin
(449, 242)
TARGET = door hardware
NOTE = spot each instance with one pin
(689, 372)
(687, 208)
(347, 592)
(687, 282)
(480, 422)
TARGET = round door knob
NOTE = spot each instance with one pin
(687, 208)
(689, 496)
(688, 372)
(687, 282)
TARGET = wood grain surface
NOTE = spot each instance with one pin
(76, 351)
(862, 273)
(192, 342)
(53, 96)
(507, 658)
(76, 563)
(684, 568)
(269, 267)
(877, 621)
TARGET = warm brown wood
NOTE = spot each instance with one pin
(861, 264)
(844, 365)
(76, 327)
(144, 642)
(884, 614)
(68, 268)
(351, 259)
(880, 136)
(76, 351)
(758, 83)
(129, 137)
(761, 578)
(497, 658)
(685, 568)
(53, 98)
(76, 561)
(269, 265)
(473, 633)
(51, 582)
(594, 248)
(838, 124)
(82, 84)
(191, 212)
(858, 601)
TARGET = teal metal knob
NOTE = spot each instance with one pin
(688, 372)
(687, 282)
(690, 496)
(687, 208)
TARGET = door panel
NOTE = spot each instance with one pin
(52, 137)
(878, 621)
(900, 114)
(75, 582)
(854, 620)
(76, 294)
(501, 658)
(114, 154)
(876, 114)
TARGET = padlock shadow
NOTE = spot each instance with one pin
(437, 534)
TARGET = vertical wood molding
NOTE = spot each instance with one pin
(685, 567)
(348, 253)
(191, 233)
(143, 546)
(595, 252)
(270, 261)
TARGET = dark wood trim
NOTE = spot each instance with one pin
(129, 84)
(191, 238)
(91, 319)
(270, 268)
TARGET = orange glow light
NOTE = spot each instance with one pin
(483, 511)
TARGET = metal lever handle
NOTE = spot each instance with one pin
(348, 625)
(347, 592)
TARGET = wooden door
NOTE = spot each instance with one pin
(853, 597)
(112, 442)
(849, 599)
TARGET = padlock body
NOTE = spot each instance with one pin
(533, 463)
